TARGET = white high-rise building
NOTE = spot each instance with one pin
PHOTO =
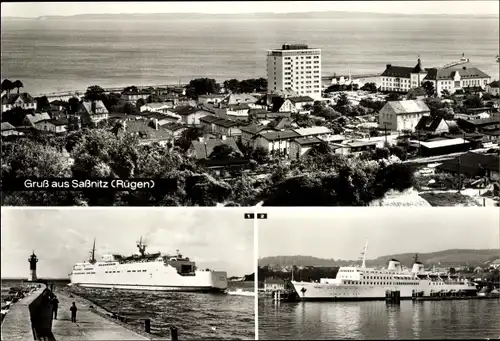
(295, 67)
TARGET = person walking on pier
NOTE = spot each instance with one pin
(55, 306)
(73, 312)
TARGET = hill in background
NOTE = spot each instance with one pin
(453, 257)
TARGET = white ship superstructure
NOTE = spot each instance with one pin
(146, 271)
(362, 283)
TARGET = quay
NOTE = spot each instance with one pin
(452, 298)
(31, 319)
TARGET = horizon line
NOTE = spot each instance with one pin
(493, 15)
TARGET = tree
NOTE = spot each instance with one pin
(223, 152)
(232, 85)
(18, 84)
(202, 86)
(319, 150)
(473, 101)
(131, 88)
(42, 103)
(445, 93)
(371, 87)
(392, 97)
(7, 86)
(15, 116)
(94, 93)
(140, 102)
(260, 154)
(429, 88)
(189, 135)
(73, 105)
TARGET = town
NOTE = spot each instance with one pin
(409, 136)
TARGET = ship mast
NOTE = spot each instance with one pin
(92, 254)
(142, 247)
(363, 265)
(415, 258)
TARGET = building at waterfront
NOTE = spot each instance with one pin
(295, 67)
(453, 77)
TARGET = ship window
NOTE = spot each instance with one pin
(128, 270)
(143, 270)
(133, 270)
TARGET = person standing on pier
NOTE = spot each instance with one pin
(55, 306)
(73, 312)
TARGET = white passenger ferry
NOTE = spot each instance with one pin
(362, 283)
(146, 271)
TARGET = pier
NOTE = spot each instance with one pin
(31, 318)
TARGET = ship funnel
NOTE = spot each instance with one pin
(394, 265)
(417, 266)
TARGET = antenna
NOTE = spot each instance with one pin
(364, 254)
(141, 246)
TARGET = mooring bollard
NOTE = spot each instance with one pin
(173, 334)
(147, 325)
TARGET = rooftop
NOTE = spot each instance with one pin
(313, 131)
(408, 106)
(304, 141)
(12, 98)
(7, 126)
(442, 143)
(203, 149)
(449, 73)
(280, 135)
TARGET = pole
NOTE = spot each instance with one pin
(173, 334)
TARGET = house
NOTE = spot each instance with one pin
(189, 114)
(300, 102)
(8, 129)
(162, 119)
(210, 99)
(134, 96)
(175, 129)
(280, 104)
(262, 114)
(274, 284)
(22, 100)
(147, 132)
(58, 105)
(495, 264)
(354, 147)
(247, 99)
(225, 127)
(493, 88)
(441, 146)
(203, 148)
(301, 146)
(402, 115)
(250, 131)
(474, 165)
(156, 107)
(488, 124)
(92, 111)
(237, 111)
(275, 141)
(284, 123)
(432, 125)
(208, 122)
(31, 120)
(319, 131)
(53, 126)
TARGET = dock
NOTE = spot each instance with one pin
(90, 325)
(31, 318)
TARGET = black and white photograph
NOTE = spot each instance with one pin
(127, 274)
(381, 273)
(289, 103)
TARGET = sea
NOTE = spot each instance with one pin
(453, 320)
(59, 55)
(197, 316)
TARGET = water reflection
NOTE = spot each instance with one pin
(376, 320)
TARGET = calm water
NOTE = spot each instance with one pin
(471, 319)
(60, 55)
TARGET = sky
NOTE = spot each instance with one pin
(341, 233)
(218, 239)
(35, 9)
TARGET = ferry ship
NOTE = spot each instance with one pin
(146, 271)
(362, 283)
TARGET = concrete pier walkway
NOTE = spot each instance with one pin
(89, 325)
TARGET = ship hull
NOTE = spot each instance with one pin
(165, 288)
(337, 292)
